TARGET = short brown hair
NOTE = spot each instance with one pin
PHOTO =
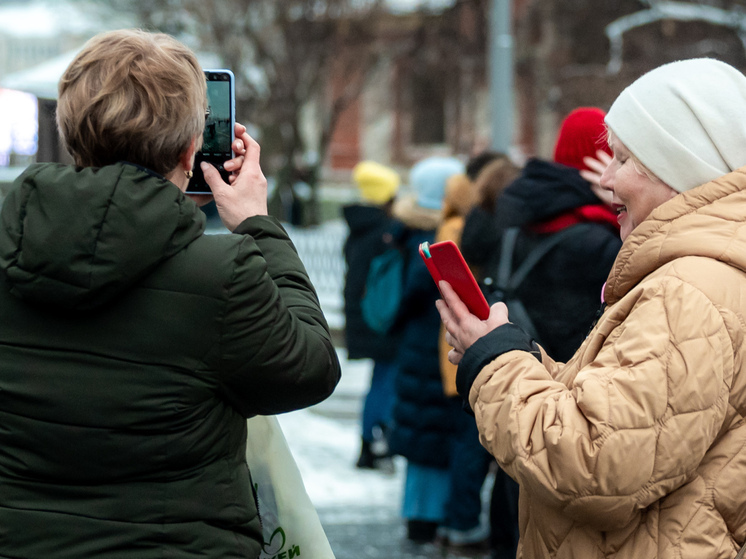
(131, 95)
(493, 179)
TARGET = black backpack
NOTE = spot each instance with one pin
(502, 284)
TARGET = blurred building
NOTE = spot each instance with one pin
(429, 94)
(18, 128)
(426, 95)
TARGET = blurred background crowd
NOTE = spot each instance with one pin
(385, 124)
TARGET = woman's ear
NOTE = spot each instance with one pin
(186, 159)
(183, 172)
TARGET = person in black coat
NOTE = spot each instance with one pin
(372, 229)
(562, 294)
(133, 346)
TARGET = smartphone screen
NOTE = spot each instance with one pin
(219, 123)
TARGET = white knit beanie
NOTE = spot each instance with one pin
(685, 121)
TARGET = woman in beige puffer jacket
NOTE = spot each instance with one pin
(636, 448)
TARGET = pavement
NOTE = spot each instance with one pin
(359, 509)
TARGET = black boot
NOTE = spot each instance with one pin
(421, 531)
(367, 459)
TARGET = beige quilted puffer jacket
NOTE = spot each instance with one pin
(636, 448)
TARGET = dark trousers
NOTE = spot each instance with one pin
(504, 517)
(380, 398)
(469, 466)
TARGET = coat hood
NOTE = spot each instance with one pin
(707, 221)
(542, 191)
(415, 216)
(363, 217)
(75, 238)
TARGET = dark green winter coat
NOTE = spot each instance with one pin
(132, 348)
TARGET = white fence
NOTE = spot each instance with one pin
(320, 249)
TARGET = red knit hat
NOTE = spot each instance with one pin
(582, 134)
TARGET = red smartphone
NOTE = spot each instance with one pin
(445, 262)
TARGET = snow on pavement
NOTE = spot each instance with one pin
(326, 448)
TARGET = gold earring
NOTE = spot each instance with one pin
(188, 174)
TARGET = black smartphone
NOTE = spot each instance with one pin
(220, 121)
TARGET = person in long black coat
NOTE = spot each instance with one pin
(423, 417)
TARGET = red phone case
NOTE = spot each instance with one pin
(446, 263)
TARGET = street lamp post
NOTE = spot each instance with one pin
(501, 74)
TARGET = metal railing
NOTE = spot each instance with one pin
(320, 249)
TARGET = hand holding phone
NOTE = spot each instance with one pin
(445, 262)
(246, 195)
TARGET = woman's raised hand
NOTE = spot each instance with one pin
(246, 195)
(596, 167)
(462, 327)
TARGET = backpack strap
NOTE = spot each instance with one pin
(510, 281)
(505, 266)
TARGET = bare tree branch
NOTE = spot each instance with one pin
(733, 18)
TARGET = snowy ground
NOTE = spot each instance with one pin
(325, 441)
(360, 510)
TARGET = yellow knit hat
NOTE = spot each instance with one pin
(377, 183)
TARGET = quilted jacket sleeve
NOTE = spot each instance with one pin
(635, 421)
(276, 349)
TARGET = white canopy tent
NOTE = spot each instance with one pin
(42, 80)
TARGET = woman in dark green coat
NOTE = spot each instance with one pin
(132, 346)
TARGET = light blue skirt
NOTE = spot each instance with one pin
(426, 491)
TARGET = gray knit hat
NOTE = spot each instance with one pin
(685, 121)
